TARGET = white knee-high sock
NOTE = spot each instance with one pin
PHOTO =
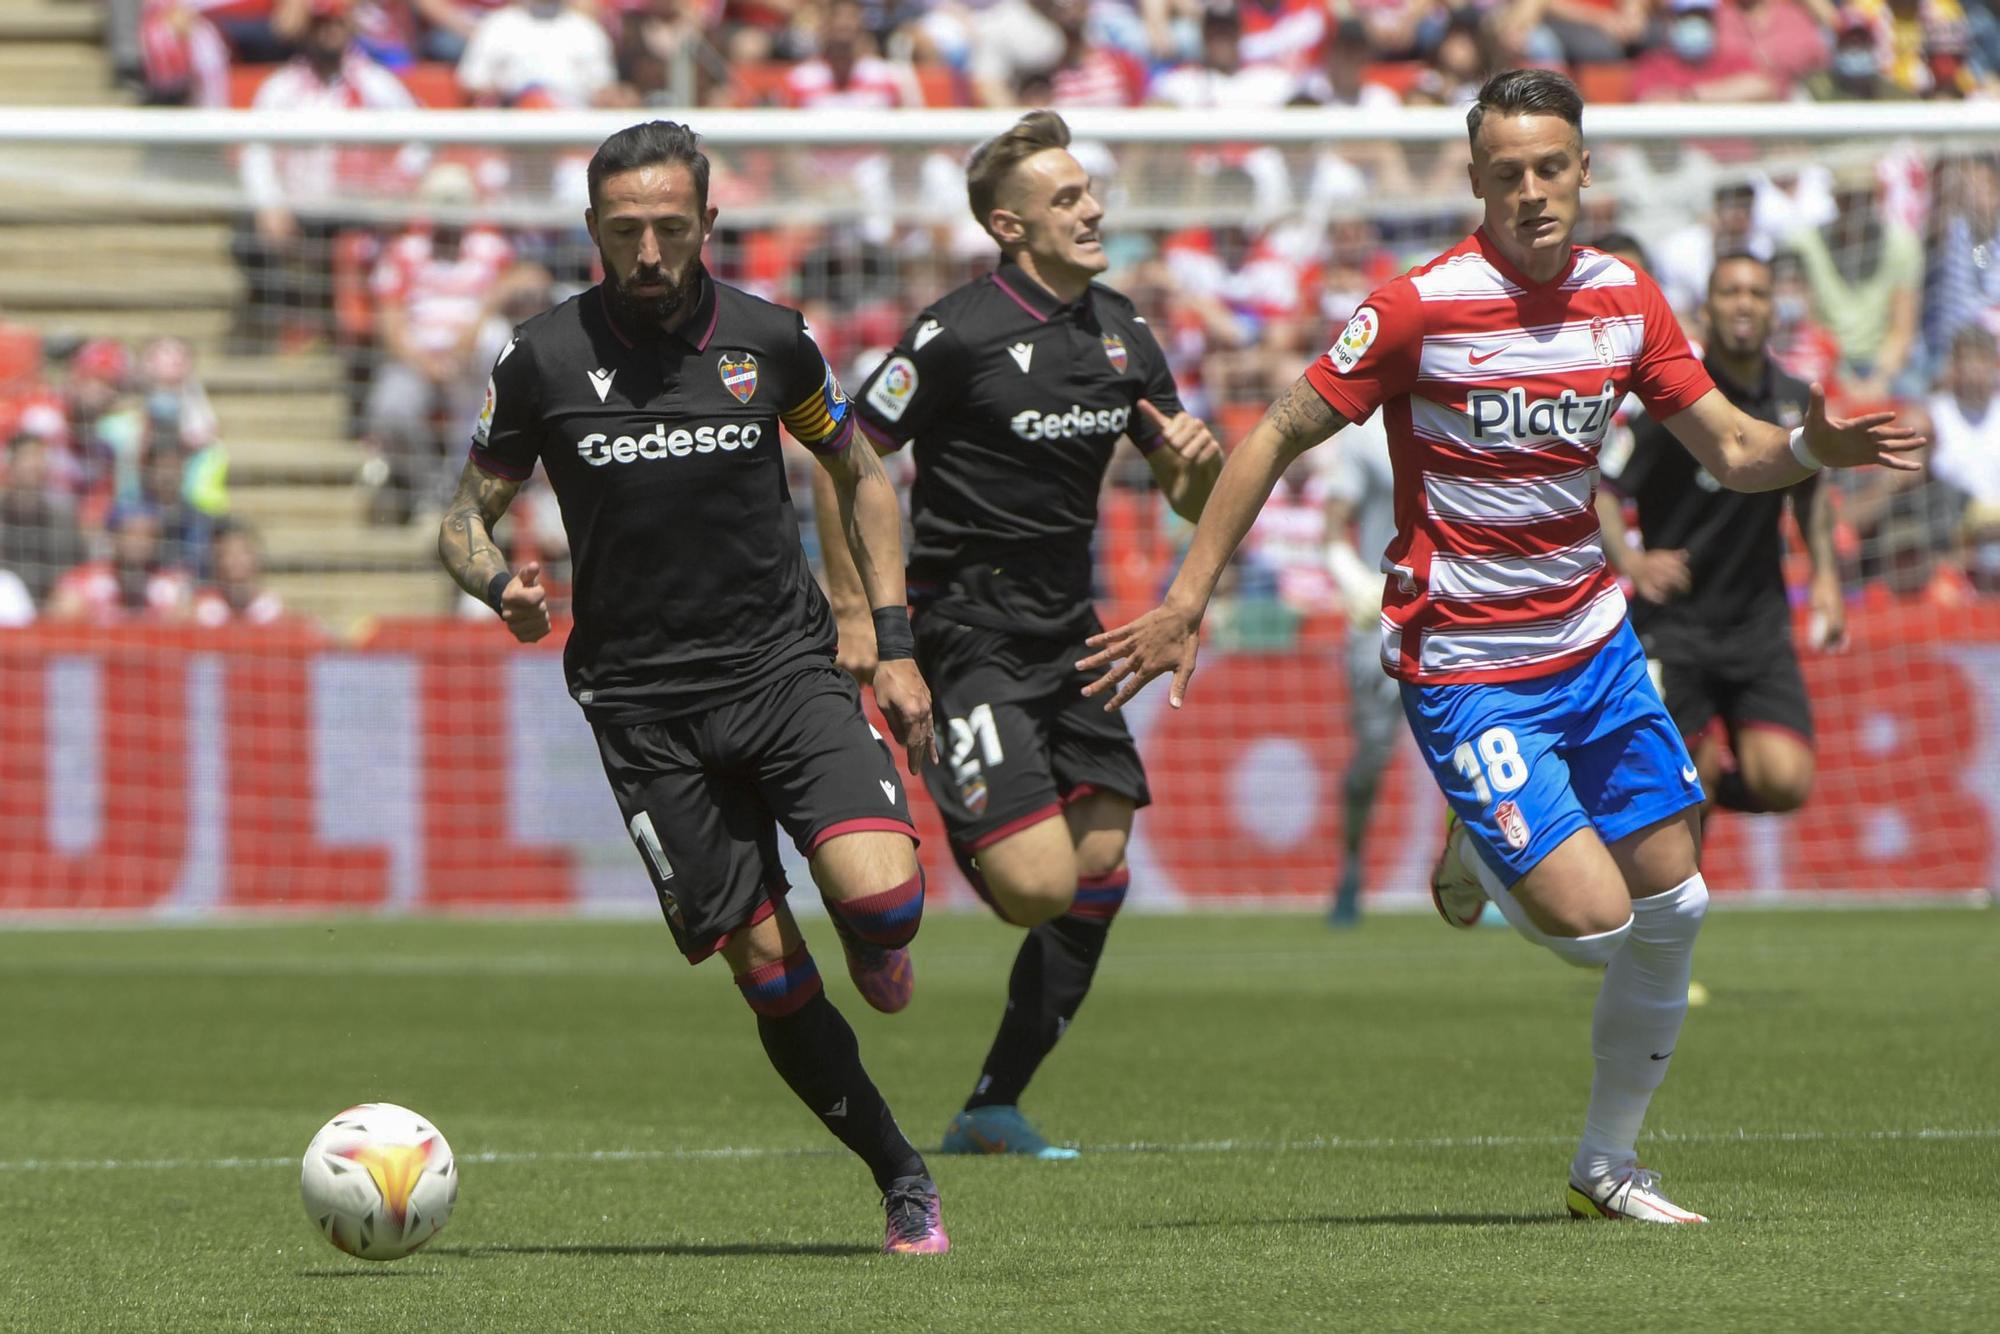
(1638, 1020)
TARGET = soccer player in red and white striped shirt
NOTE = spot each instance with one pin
(1497, 367)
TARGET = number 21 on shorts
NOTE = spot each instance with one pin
(1493, 764)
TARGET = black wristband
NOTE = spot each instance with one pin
(496, 586)
(893, 638)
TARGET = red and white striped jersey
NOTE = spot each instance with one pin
(1496, 391)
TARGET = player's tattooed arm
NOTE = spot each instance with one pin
(466, 546)
(1301, 418)
(1167, 638)
(465, 539)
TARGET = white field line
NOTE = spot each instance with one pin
(1318, 1144)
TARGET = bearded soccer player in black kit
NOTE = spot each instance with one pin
(1016, 388)
(1710, 605)
(703, 651)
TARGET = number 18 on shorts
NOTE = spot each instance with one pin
(1526, 764)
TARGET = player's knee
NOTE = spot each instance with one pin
(1593, 949)
(1033, 898)
(1783, 791)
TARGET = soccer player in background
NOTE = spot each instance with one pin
(1498, 365)
(1710, 604)
(703, 651)
(1016, 388)
(1360, 524)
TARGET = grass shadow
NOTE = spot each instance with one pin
(1365, 1220)
(706, 1249)
(373, 1271)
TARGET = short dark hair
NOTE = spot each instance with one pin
(647, 145)
(1738, 256)
(994, 161)
(1526, 92)
(1623, 243)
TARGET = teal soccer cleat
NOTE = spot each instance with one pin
(1000, 1130)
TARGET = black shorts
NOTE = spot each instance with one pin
(1738, 682)
(703, 796)
(1018, 738)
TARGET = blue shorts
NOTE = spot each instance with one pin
(1525, 764)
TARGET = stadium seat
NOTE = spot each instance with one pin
(434, 84)
(1605, 83)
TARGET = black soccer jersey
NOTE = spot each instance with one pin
(690, 583)
(1734, 539)
(1015, 401)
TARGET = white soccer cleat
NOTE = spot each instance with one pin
(1631, 1195)
(1455, 889)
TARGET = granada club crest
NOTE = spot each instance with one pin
(1114, 352)
(1600, 340)
(1515, 828)
(739, 374)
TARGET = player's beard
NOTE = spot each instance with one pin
(655, 314)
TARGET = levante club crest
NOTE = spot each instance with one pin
(739, 374)
(1114, 352)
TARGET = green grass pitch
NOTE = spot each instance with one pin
(1283, 1127)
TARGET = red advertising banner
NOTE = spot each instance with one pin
(439, 766)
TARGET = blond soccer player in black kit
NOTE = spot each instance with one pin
(703, 651)
(1015, 391)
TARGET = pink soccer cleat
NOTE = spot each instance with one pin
(916, 1227)
(885, 978)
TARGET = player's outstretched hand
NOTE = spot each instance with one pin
(905, 702)
(1185, 434)
(1163, 640)
(1856, 442)
(524, 606)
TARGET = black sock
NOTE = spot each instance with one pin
(815, 1052)
(1051, 976)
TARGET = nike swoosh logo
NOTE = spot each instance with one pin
(1662, 1055)
(1479, 360)
(1689, 774)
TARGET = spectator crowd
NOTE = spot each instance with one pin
(1887, 265)
(113, 497)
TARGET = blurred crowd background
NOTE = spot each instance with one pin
(408, 266)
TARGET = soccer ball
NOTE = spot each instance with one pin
(379, 1181)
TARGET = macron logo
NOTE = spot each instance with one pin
(888, 790)
(600, 380)
(1022, 353)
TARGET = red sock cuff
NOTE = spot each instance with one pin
(889, 919)
(781, 987)
(1099, 897)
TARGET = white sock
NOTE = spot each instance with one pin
(1638, 1020)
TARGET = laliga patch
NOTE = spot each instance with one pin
(484, 426)
(973, 793)
(1114, 352)
(1512, 827)
(739, 374)
(1355, 339)
(893, 389)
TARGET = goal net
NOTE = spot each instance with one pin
(239, 357)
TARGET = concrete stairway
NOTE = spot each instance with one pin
(99, 242)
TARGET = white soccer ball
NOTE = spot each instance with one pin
(379, 1181)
